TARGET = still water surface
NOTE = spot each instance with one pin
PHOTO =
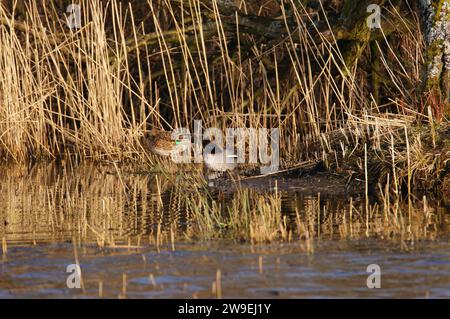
(42, 209)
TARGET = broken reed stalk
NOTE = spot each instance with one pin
(218, 285)
(4, 246)
(77, 262)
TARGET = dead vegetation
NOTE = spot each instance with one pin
(331, 86)
(88, 204)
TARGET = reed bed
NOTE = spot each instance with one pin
(91, 205)
(91, 92)
(260, 218)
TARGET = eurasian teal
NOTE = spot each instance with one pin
(161, 143)
(218, 159)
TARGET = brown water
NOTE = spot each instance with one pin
(43, 209)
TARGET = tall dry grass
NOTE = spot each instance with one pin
(92, 91)
(59, 93)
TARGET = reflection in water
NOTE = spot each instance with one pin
(47, 203)
(135, 220)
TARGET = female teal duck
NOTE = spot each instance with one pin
(161, 143)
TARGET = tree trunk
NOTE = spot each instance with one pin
(436, 18)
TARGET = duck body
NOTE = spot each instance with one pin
(161, 143)
(220, 159)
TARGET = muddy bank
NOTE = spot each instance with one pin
(311, 180)
(402, 160)
(405, 159)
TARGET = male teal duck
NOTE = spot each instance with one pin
(219, 159)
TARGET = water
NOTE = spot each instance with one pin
(43, 209)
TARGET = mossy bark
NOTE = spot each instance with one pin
(355, 14)
(375, 69)
(436, 18)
